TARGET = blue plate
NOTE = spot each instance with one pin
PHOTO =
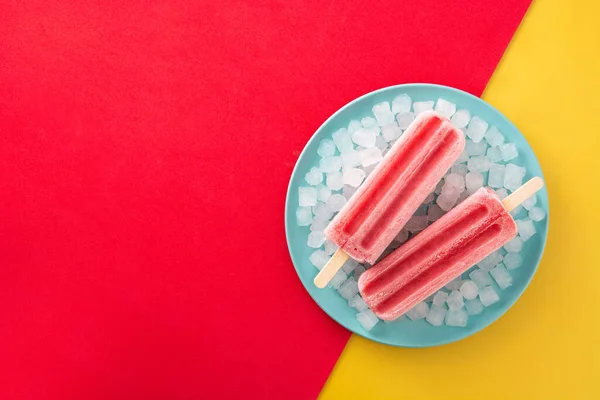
(408, 333)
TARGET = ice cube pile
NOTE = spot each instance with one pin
(350, 155)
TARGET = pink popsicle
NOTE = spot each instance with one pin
(444, 250)
(397, 187)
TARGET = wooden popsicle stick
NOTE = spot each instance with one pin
(329, 270)
(523, 193)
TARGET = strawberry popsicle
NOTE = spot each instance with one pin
(393, 192)
(468, 233)
(397, 187)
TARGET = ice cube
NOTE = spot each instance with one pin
(348, 191)
(364, 137)
(496, 176)
(422, 106)
(455, 300)
(402, 236)
(319, 224)
(370, 156)
(349, 288)
(338, 279)
(474, 307)
(488, 296)
(307, 196)
(529, 202)
(418, 312)
(350, 159)
(304, 216)
(508, 151)
(451, 190)
(350, 265)
(357, 303)
(474, 181)
(512, 260)
(401, 104)
(367, 319)
(354, 176)
(436, 315)
(336, 202)
(476, 129)
(383, 113)
(416, 223)
(501, 276)
(335, 181)
(479, 163)
(330, 164)
(493, 153)
(326, 148)
(314, 176)
(354, 125)
(491, 261)
(391, 132)
(405, 119)
(456, 181)
(446, 201)
(461, 118)
(315, 239)
(368, 122)
(330, 247)
(463, 196)
(502, 193)
(454, 284)
(475, 149)
(481, 278)
(513, 176)
(342, 140)
(516, 211)
(469, 290)
(440, 298)
(457, 318)
(459, 169)
(319, 258)
(321, 211)
(445, 108)
(358, 271)
(323, 193)
(380, 143)
(494, 137)
(526, 228)
(434, 212)
(464, 157)
(537, 214)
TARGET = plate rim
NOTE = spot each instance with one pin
(467, 333)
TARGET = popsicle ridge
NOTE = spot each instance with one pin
(396, 188)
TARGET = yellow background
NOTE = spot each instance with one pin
(548, 345)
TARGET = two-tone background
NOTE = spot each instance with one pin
(145, 150)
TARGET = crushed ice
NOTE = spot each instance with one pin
(350, 155)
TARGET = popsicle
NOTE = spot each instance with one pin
(393, 192)
(464, 236)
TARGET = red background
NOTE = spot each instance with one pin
(146, 149)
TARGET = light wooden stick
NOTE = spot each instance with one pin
(329, 270)
(523, 193)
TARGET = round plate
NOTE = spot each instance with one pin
(408, 333)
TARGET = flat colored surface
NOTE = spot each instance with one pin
(411, 333)
(146, 150)
(548, 345)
